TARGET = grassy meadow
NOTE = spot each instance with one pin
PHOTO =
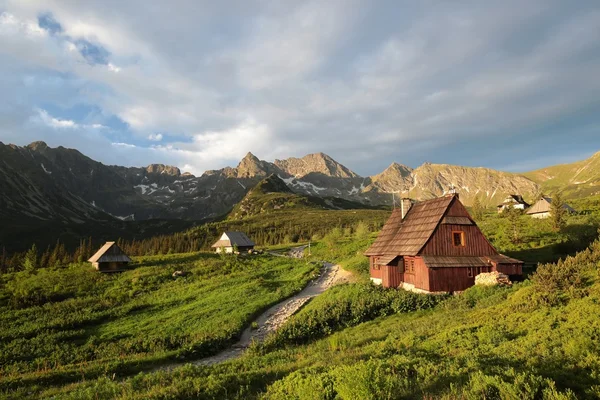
(73, 323)
(535, 340)
(73, 333)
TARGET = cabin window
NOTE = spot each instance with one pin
(458, 238)
(470, 272)
(410, 266)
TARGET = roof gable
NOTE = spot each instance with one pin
(234, 238)
(418, 226)
(387, 233)
(544, 205)
(110, 252)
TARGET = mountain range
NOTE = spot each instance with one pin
(40, 185)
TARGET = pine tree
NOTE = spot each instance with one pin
(30, 262)
(558, 212)
(477, 209)
(514, 218)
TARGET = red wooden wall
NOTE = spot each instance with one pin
(420, 278)
(510, 269)
(374, 272)
(441, 243)
(450, 279)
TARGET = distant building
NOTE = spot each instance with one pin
(434, 246)
(513, 201)
(110, 258)
(229, 240)
(542, 208)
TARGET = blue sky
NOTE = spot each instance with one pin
(511, 85)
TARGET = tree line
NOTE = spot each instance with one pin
(264, 232)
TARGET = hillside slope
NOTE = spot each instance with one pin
(273, 195)
(536, 340)
(575, 180)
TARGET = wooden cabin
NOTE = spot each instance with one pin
(542, 208)
(231, 240)
(434, 246)
(513, 201)
(110, 258)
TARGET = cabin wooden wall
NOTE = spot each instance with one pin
(450, 279)
(391, 276)
(441, 243)
(510, 269)
(375, 272)
(110, 266)
(420, 278)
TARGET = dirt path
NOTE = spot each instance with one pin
(274, 317)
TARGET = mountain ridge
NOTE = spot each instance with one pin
(163, 191)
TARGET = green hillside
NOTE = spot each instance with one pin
(272, 195)
(535, 340)
(62, 324)
(576, 180)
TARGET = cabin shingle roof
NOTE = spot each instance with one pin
(407, 237)
(234, 239)
(418, 226)
(543, 206)
(110, 252)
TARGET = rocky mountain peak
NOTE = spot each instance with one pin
(250, 166)
(396, 168)
(38, 146)
(314, 163)
(160, 169)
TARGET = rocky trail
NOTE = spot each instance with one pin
(270, 320)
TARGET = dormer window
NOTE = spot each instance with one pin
(458, 238)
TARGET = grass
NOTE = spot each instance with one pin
(536, 340)
(68, 324)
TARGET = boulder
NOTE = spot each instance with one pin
(492, 279)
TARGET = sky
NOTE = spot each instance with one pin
(511, 85)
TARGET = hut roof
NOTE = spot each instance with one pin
(543, 206)
(110, 252)
(232, 238)
(387, 233)
(408, 236)
(513, 199)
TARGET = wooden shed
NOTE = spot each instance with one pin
(232, 240)
(542, 208)
(513, 201)
(434, 246)
(110, 258)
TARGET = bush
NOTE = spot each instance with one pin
(347, 305)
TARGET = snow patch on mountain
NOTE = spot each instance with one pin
(45, 170)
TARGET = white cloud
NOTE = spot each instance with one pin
(284, 79)
(10, 24)
(56, 123)
(127, 145)
(113, 68)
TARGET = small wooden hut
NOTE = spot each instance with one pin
(110, 258)
(513, 201)
(434, 246)
(542, 208)
(230, 240)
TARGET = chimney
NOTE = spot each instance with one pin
(453, 192)
(405, 205)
